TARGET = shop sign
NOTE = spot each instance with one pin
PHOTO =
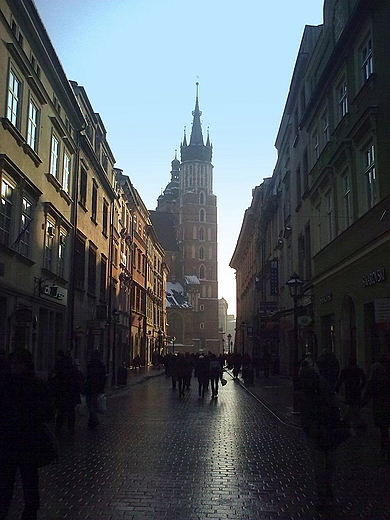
(53, 292)
(374, 277)
(325, 298)
(382, 310)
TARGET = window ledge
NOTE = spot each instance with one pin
(82, 206)
(65, 196)
(54, 181)
(13, 131)
(24, 260)
(31, 153)
(6, 249)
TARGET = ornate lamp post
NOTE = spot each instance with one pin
(294, 284)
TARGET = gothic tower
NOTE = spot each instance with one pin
(189, 197)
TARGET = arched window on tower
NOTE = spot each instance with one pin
(194, 233)
(202, 198)
(209, 234)
(201, 253)
(202, 272)
(201, 234)
(191, 176)
(202, 215)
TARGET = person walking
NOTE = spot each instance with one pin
(378, 390)
(354, 380)
(68, 384)
(183, 366)
(328, 367)
(323, 428)
(202, 374)
(215, 374)
(95, 383)
(25, 442)
(236, 362)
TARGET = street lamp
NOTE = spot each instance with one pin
(115, 314)
(173, 339)
(294, 284)
(229, 337)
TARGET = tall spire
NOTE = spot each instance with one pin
(196, 149)
(196, 133)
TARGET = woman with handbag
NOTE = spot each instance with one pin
(26, 443)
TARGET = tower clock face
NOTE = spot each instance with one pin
(339, 19)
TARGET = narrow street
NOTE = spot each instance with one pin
(160, 456)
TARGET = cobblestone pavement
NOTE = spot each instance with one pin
(160, 456)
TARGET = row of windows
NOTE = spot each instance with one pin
(16, 216)
(192, 179)
(332, 215)
(87, 270)
(60, 159)
(364, 69)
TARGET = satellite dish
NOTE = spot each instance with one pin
(304, 321)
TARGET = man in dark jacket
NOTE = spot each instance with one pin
(354, 380)
(95, 383)
(24, 441)
(68, 384)
(328, 367)
(202, 374)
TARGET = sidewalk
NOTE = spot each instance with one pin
(276, 393)
(135, 376)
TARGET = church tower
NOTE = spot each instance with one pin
(189, 196)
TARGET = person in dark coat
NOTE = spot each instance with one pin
(67, 384)
(95, 383)
(182, 368)
(354, 380)
(202, 374)
(378, 390)
(236, 362)
(328, 367)
(321, 424)
(215, 374)
(24, 442)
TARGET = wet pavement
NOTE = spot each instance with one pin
(241, 456)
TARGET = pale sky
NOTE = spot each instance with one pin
(139, 61)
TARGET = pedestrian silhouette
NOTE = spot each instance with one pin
(323, 428)
(202, 374)
(95, 383)
(354, 380)
(378, 390)
(25, 441)
(215, 374)
(67, 383)
(328, 367)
